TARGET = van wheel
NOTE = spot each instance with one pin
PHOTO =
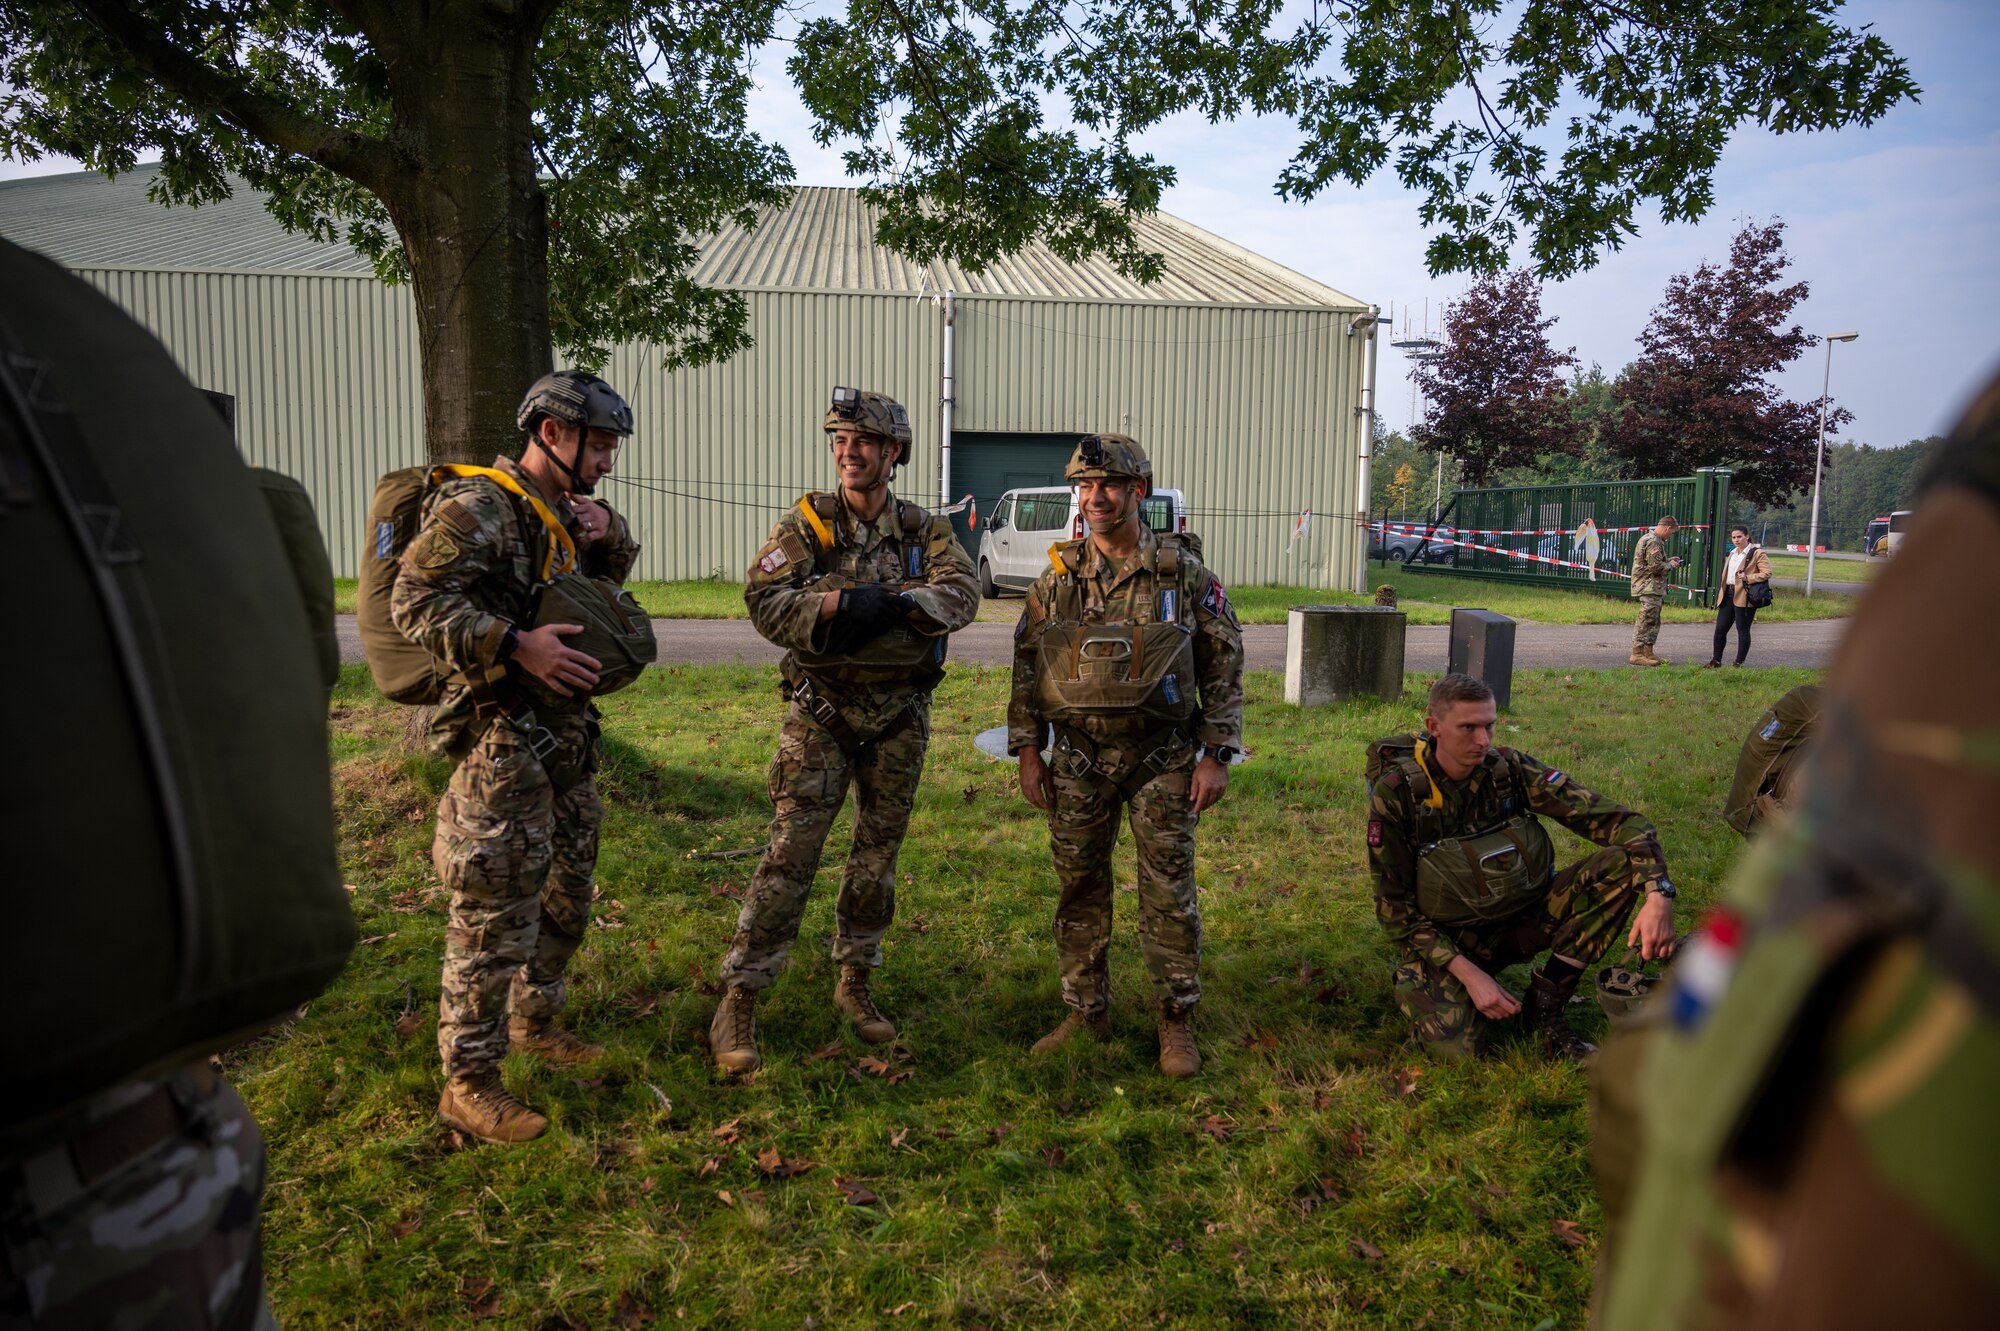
(987, 587)
(1398, 555)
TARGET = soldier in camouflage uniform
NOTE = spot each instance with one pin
(1130, 648)
(1650, 565)
(140, 1209)
(517, 827)
(1814, 1092)
(1466, 883)
(861, 589)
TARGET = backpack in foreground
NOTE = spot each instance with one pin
(169, 816)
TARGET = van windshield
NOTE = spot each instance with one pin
(1157, 512)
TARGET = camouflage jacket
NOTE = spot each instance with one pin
(471, 571)
(1125, 591)
(1649, 566)
(1484, 800)
(794, 568)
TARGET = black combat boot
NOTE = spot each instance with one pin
(1548, 1003)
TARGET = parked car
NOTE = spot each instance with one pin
(1400, 541)
(1014, 543)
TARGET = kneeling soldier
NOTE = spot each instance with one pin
(861, 589)
(1465, 877)
(1130, 648)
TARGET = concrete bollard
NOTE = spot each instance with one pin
(1482, 645)
(1334, 652)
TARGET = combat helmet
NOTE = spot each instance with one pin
(870, 413)
(1108, 457)
(574, 397)
(1621, 991)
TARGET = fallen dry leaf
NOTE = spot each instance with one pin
(628, 1314)
(1054, 1157)
(709, 1166)
(409, 1024)
(856, 1192)
(943, 1134)
(1260, 1040)
(1286, 889)
(378, 938)
(476, 1290)
(727, 1134)
(826, 1051)
(899, 1136)
(902, 1308)
(1365, 1250)
(1404, 1084)
(1329, 993)
(405, 1227)
(726, 1197)
(898, 1078)
(1217, 1127)
(1328, 1191)
(1567, 1231)
(1499, 1191)
(1321, 1099)
(999, 1134)
(874, 1067)
(1353, 1140)
(648, 1183)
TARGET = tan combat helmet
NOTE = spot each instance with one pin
(1108, 457)
(870, 413)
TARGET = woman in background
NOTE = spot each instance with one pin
(1747, 564)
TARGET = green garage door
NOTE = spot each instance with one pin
(989, 465)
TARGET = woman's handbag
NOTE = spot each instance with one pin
(1758, 594)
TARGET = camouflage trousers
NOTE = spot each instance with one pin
(1083, 830)
(1646, 625)
(808, 783)
(140, 1212)
(519, 857)
(1587, 906)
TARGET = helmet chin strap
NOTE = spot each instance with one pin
(578, 486)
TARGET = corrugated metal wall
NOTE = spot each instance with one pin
(323, 367)
(1248, 409)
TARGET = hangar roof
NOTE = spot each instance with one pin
(822, 240)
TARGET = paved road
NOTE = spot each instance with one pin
(1819, 585)
(1575, 646)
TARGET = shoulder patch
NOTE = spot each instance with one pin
(435, 549)
(1392, 778)
(454, 514)
(1374, 831)
(1555, 774)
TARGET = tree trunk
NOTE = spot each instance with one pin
(473, 225)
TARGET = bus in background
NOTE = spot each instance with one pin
(1899, 522)
(1873, 540)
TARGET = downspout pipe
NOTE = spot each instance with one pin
(1365, 323)
(945, 403)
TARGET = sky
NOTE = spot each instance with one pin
(1896, 228)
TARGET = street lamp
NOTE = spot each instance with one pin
(1819, 462)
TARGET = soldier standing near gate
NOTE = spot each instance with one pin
(860, 589)
(1131, 649)
(1650, 565)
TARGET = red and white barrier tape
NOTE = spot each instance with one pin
(1411, 529)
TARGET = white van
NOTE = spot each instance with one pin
(1014, 543)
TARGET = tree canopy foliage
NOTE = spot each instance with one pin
(1494, 395)
(543, 171)
(1700, 393)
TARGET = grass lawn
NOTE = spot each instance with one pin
(1830, 570)
(1319, 1173)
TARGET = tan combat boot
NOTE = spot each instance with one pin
(1178, 1055)
(479, 1105)
(545, 1039)
(1073, 1025)
(852, 997)
(732, 1036)
(1547, 1004)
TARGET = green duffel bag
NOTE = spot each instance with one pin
(172, 878)
(616, 629)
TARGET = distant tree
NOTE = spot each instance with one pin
(1494, 396)
(1591, 408)
(544, 171)
(1397, 495)
(1433, 485)
(1700, 393)
(1862, 482)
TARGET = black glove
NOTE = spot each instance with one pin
(865, 614)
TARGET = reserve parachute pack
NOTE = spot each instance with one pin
(1769, 759)
(1465, 880)
(1146, 668)
(616, 629)
(404, 671)
(168, 804)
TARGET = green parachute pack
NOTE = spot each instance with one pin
(168, 801)
(616, 629)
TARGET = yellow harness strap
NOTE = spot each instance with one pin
(816, 522)
(561, 541)
(1436, 798)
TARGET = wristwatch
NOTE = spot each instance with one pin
(1222, 754)
(1664, 886)
(508, 642)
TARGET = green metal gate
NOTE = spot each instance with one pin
(1582, 535)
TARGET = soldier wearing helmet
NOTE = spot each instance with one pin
(1130, 654)
(517, 827)
(861, 589)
